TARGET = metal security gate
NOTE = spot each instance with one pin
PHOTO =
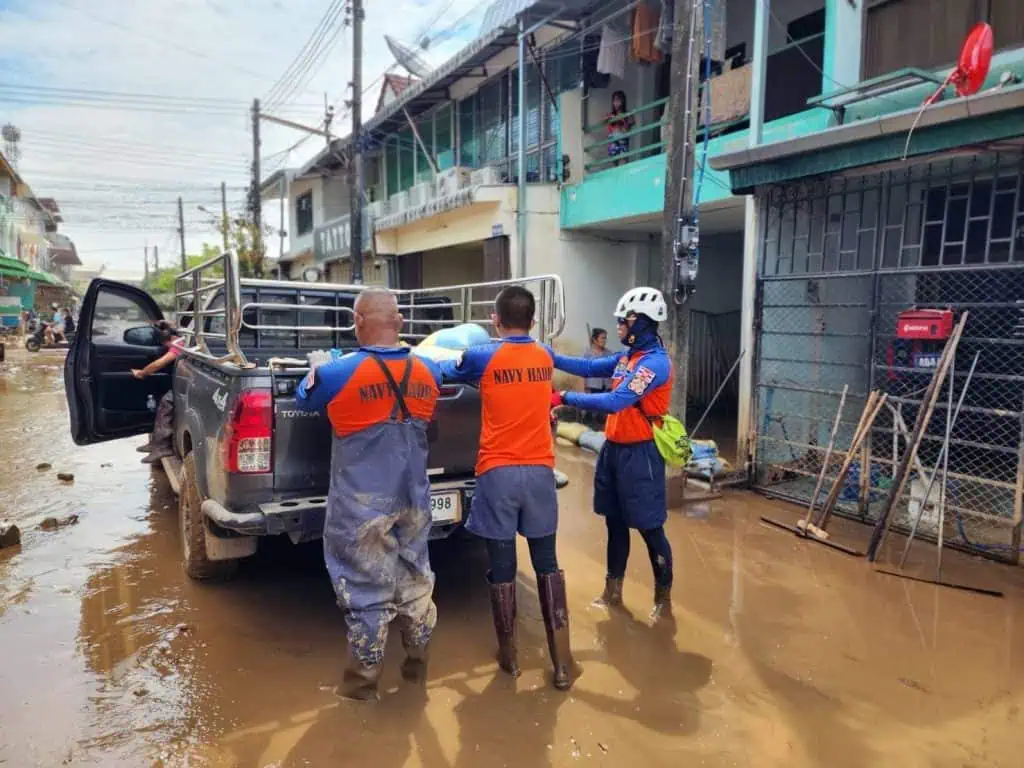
(840, 259)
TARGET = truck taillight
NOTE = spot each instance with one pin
(247, 437)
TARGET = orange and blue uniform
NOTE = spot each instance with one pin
(515, 466)
(378, 509)
(629, 480)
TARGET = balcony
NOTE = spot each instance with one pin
(626, 186)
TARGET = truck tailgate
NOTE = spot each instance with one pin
(302, 440)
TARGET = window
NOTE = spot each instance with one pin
(116, 312)
(304, 213)
(928, 33)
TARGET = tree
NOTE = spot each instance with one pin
(241, 237)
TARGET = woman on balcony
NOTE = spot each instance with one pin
(619, 125)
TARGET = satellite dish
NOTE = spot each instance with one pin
(413, 62)
(975, 60)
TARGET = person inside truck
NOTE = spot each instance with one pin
(515, 490)
(629, 481)
(161, 442)
(379, 401)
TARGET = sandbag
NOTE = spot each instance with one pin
(571, 431)
(592, 441)
(564, 443)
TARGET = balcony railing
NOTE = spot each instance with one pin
(644, 124)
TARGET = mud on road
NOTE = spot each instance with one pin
(780, 654)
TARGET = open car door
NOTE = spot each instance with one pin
(115, 335)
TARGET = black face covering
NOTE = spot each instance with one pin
(643, 334)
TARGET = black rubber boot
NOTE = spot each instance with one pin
(414, 668)
(555, 609)
(503, 608)
(360, 681)
(612, 595)
(662, 603)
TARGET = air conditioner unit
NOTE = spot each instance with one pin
(420, 193)
(399, 202)
(485, 177)
(379, 209)
(451, 180)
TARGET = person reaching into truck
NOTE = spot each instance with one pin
(379, 401)
(515, 490)
(629, 481)
(161, 441)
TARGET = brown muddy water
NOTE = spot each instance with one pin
(782, 653)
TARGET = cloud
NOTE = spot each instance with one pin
(117, 164)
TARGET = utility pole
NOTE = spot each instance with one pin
(145, 265)
(678, 235)
(355, 174)
(156, 259)
(181, 234)
(255, 203)
(224, 224)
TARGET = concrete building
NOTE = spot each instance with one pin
(892, 207)
(34, 256)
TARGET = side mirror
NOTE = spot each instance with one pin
(143, 336)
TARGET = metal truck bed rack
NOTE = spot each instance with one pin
(198, 292)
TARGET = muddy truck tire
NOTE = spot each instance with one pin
(193, 530)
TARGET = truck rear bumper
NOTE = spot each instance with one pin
(302, 519)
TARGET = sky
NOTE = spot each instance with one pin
(125, 106)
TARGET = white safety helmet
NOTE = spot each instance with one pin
(642, 301)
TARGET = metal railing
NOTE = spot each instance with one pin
(641, 127)
(198, 303)
(194, 291)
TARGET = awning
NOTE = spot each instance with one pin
(44, 277)
(13, 268)
(990, 116)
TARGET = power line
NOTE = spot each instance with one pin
(309, 51)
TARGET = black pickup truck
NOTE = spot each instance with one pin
(249, 463)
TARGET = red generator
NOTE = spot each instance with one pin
(920, 336)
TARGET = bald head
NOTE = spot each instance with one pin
(378, 321)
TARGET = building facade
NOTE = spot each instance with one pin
(897, 207)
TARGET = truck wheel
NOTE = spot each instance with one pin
(193, 529)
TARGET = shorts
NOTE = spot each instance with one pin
(629, 484)
(514, 499)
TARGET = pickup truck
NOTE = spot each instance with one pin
(250, 463)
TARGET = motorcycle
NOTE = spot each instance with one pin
(37, 340)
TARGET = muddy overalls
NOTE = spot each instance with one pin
(379, 401)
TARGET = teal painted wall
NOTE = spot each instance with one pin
(637, 189)
(623, 192)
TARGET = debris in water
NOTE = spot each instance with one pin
(603, 747)
(575, 747)
(65, 477)
(10, 536)
(183, 628)
(140, 692)
(108, 465)
(43, 466)
(53, 523)
(910, 683)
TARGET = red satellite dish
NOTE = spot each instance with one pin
(975, 60)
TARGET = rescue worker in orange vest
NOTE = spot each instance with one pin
(379, 401)
(515, 490)
(629, 481)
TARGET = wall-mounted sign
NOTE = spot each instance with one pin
(334, 239)
(312, 274)
(497, 230)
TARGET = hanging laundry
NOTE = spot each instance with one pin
(663, 40)
(611, 56)
(645, 29)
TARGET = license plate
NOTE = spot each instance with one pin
(927, 360)
(446, 507)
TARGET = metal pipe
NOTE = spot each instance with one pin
(521, 187)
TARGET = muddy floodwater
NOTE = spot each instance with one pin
(782, 653)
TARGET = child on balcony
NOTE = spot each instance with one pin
(619, 126)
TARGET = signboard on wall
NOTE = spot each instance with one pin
(334, 239)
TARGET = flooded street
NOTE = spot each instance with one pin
(782, 653)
